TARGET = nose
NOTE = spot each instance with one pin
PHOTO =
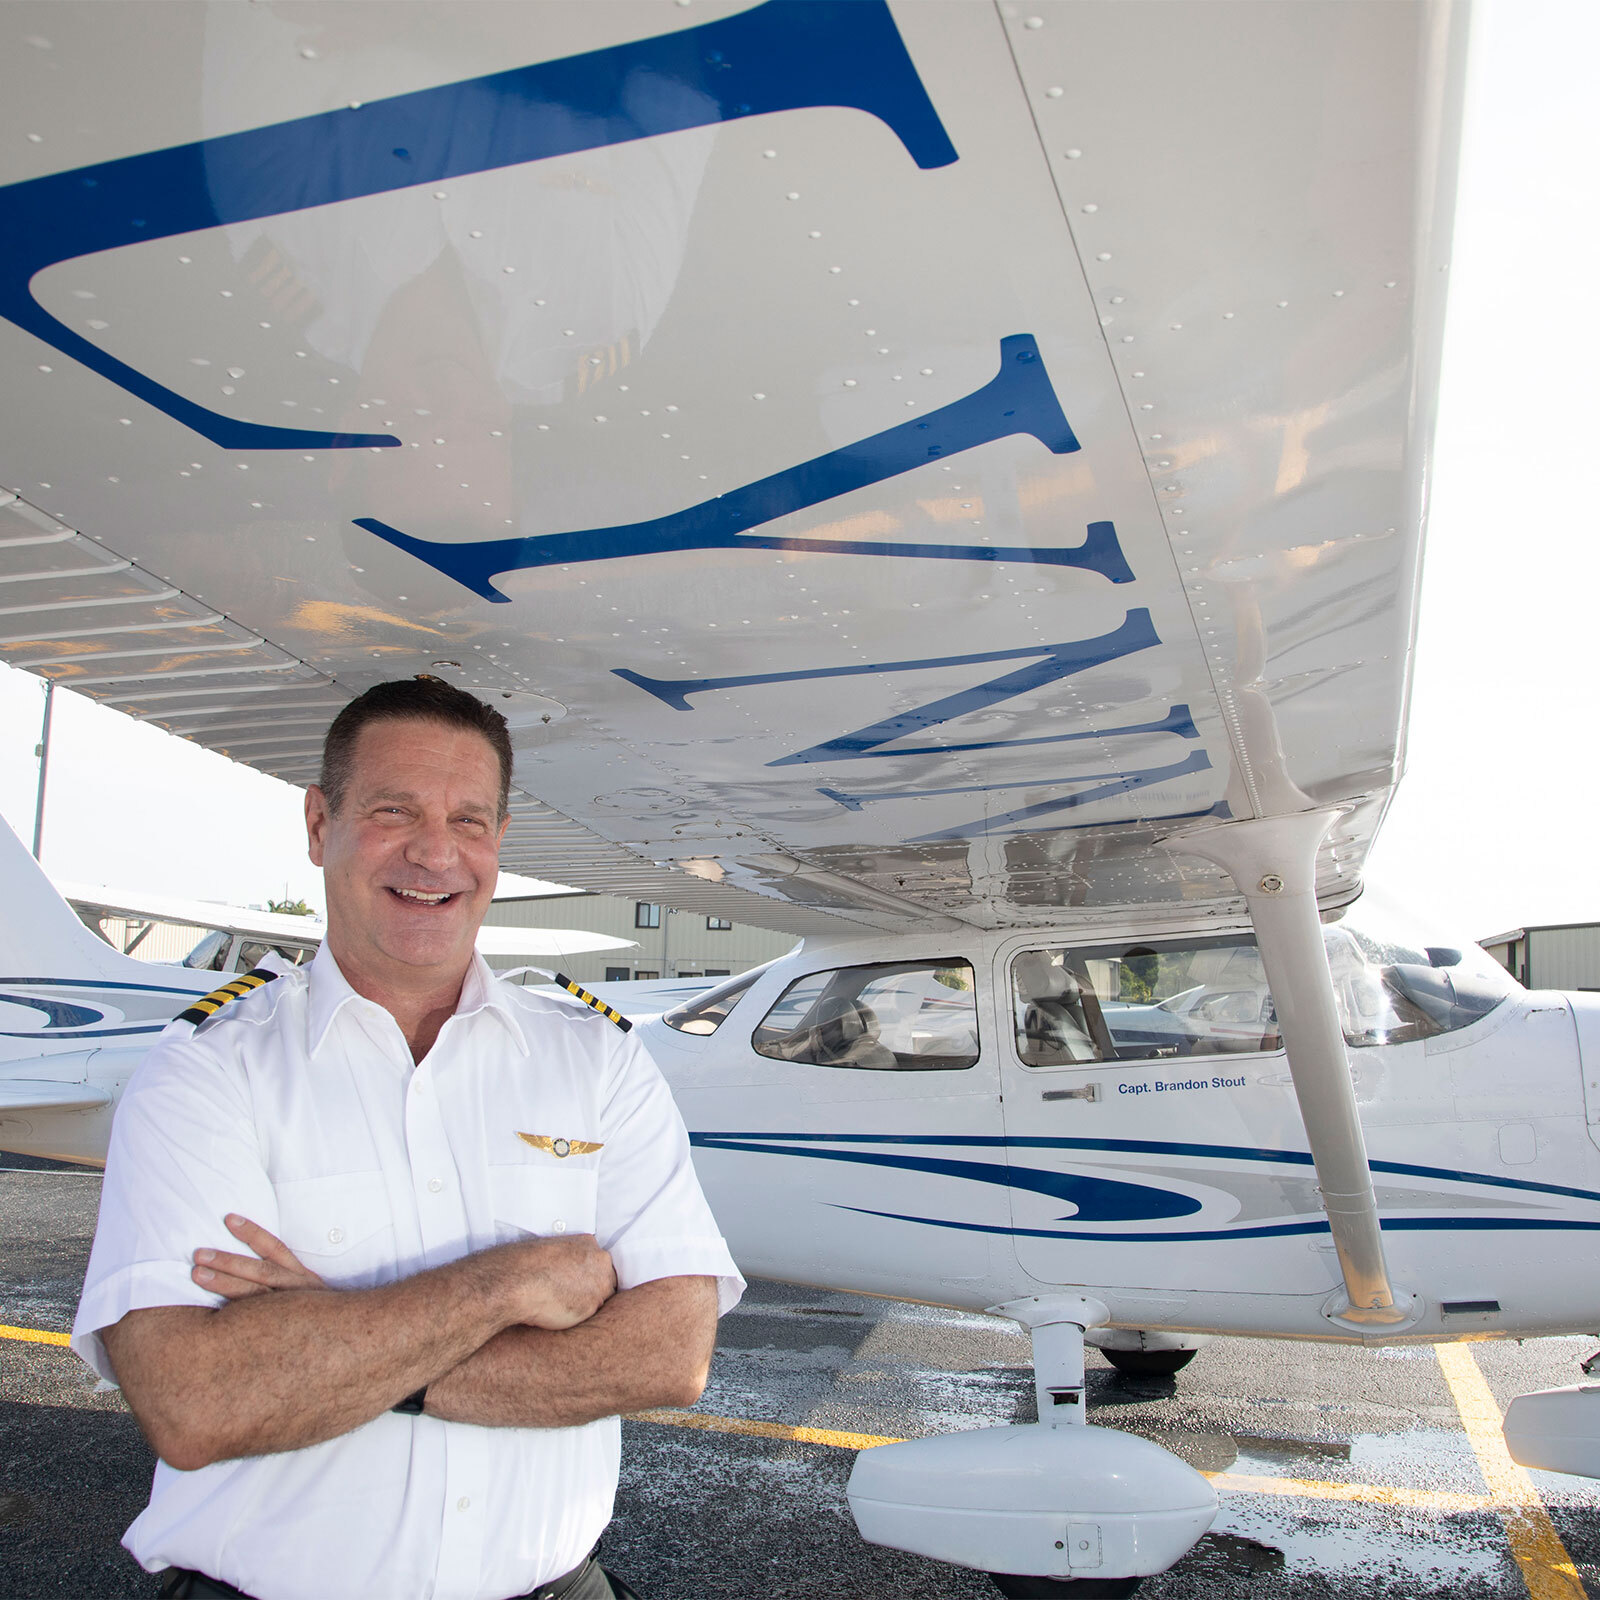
(431, 846)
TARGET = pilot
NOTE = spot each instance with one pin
(386, 1245)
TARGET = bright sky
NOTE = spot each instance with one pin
(1488, 830)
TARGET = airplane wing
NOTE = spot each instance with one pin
(28, 1094)
(892, 464)
(265, 925)
(274, 928)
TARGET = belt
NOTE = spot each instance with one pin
(180, 1583)
(566, 1582)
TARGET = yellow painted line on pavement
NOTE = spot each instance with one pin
(763, 1430)
(34, 1335)
(1547, 1568)
(1377, 1494)
(1225, 1482)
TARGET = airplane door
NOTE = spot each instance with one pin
(856, 1139)
(1152, 1136)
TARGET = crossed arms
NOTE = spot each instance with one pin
(533, 1334)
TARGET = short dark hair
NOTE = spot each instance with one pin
(420, 699)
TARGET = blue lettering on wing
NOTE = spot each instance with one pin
(1053, 661)
(1122, 783)
(787, 55)
(1178, 720)
(1102, 784)
(1019, 399)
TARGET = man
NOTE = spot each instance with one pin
(386, 1245)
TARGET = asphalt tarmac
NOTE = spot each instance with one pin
(1341, 1472)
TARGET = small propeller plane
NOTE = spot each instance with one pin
(947, 481)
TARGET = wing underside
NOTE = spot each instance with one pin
(893, 465)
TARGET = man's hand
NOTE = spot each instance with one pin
(560, 1281)
(273, 1266)
(554, 1283)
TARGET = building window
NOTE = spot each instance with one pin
(647, 976)
(616, 974)
(646, 915)
(718, 925)
(719, 972)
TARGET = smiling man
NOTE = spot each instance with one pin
(385, 1244)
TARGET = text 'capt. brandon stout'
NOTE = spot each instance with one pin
(1182, 1083)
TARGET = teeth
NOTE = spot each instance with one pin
(426, 899)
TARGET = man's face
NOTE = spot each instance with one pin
(411, 858)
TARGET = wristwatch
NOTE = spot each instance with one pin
(412, 1405)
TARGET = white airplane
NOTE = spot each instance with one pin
(948, 481)
(77, 1015)
(239, 936)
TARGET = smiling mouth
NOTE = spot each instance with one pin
(421, 897)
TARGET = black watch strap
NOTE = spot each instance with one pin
(412, 1405)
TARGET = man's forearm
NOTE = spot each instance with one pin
(647, 1346)
(282, 1370)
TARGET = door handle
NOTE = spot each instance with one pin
(1087, 1091)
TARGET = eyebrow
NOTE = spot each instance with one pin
(409, 796)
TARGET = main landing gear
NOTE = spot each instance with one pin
(1052, 1507)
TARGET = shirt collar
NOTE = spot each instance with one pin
(329, 992)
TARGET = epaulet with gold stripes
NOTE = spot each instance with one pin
(209, 1005)
(578, 992)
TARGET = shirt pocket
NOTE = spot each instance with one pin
(541, 1200)
(340, 1226)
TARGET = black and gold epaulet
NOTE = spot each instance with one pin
(209, 1005)
(578, 992)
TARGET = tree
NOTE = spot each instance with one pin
(289, 908)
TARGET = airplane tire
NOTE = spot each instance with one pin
(1149, 1363)
(1016, 1586)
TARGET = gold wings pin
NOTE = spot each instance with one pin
(560, 1148)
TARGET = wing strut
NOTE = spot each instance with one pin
(1273, 861)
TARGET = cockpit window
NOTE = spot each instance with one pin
(707, 1012)
(903, 1016)
(1390, 991)
(1136, 1002)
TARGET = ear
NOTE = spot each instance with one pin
(318, 814)
(500, 837)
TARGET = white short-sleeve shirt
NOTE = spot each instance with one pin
(299, 1107)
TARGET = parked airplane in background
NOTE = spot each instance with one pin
(239, 937)
(946, 481)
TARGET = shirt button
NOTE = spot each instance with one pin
(558, 1226)
(463, 1503)
(335, 1235)
(435, 1185)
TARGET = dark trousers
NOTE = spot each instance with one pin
(591, 1582)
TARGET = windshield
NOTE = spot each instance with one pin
(707, 1012)
(1396, 979)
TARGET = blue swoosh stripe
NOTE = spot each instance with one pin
(1096, 1199)
(105, 983)
(1214, 1152)
(1394, 1225)
(84, 1033)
